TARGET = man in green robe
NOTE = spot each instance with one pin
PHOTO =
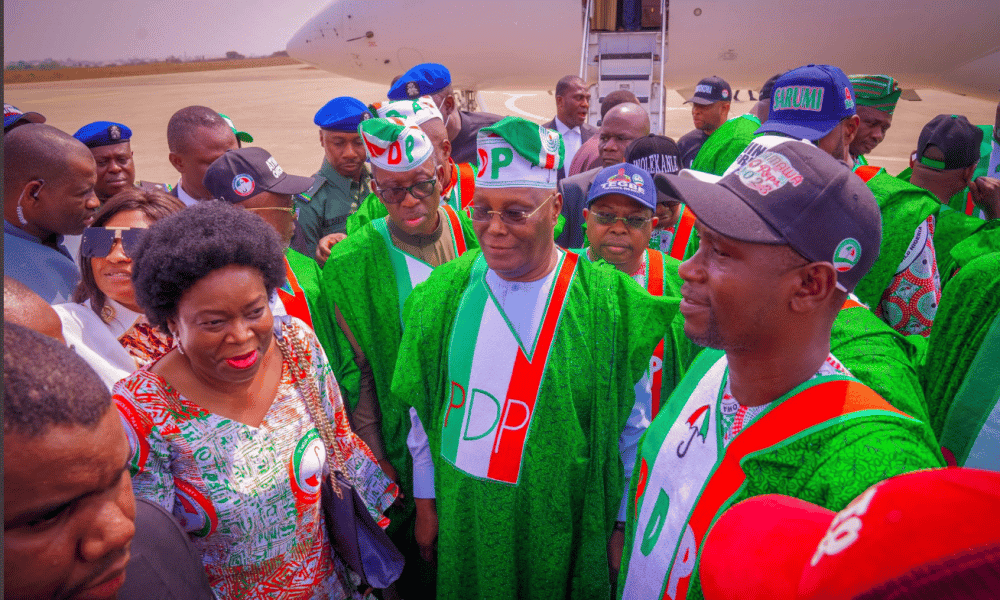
(521, 362)
(767, 408)
(368, 278)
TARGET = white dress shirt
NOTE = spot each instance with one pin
(572, 137)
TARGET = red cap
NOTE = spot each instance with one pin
(779, 548)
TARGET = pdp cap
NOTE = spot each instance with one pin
(711, 90)
(12, 114)
(792, 194)
(422, 80)
(241, 174)
(954, 136)
(242, 136)
(808, 102)
(627, 180)
(342, 114)
(103, 133)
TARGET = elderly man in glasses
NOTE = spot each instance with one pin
(368, 278)
(521, 363)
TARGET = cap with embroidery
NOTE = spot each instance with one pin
(240, 135)
(103, 133)
(12, 115)
(342, 114)
(877, 91)
(808, 102)
(627, 180)
(711, 90)
(956, 138)
(793, 194)
(929, 534)
(421, 80)
(515, 152)
(394, 144)
(419, 110)
(241, 174)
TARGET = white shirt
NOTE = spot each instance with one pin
(572, 138)
(185, 197)
(96, 341)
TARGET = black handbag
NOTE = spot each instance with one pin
(355, 536)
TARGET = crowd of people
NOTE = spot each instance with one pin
(555, 361)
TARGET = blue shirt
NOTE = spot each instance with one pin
(50, 273)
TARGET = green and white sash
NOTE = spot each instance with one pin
(495, 379)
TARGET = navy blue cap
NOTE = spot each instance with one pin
(12, 114)
(103, 133)
(241, 174)
(627, 180)
(342, 114)
(421, 80)
(808, 102)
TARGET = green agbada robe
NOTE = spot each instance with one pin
(725, 144)
(546, 535)
(308, 274)
(903, 207)
(360, 281)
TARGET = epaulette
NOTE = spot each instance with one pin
(307, 195)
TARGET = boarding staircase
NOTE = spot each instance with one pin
(625, 60)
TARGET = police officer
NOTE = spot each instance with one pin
(110, 144)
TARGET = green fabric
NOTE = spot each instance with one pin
(881, 358)
(371, 208)
(359, 280)
(985, 240)
(877, 91)
(546, 537)
(969, 305)
(327, 210)
(828, 467)
(861, 161)
(722, 147)
(951, 228)
(903, 207)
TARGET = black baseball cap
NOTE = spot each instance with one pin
(793, 195)
(711, 90)
(767, 90)
(241, 174)
(655, 154)
(955, 137)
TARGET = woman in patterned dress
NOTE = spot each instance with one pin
(104, 324)
(220, 431)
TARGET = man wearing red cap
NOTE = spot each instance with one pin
(766, 408)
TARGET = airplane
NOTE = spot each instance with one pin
(530, 44)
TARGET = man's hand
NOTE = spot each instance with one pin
(615, 546)
(325, 245)
(426, 528)
(389, 470)
(986, 194)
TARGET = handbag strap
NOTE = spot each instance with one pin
(309, 388)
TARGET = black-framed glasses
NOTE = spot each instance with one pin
(97, 242)
(603, 218)
(507, 216)
(419, 190)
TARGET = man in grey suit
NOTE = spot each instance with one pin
(621, 126)
(572, 107)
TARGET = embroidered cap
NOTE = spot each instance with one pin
(419, 110)
(12, 115)
(421, 80)
(241, 174)
(342, 114)
(625, 179)
(242, 136)
(877, 91)
(103, 133)
(793, 194)
(711, 90)
(941, 522)
(515, 152)
(808, 102)
(955, 137)
(394, 144)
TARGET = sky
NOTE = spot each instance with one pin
(106, 30)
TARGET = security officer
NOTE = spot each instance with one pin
(112, 150)
(341, 183)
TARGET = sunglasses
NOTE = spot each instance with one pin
(97, 242)
(509, 216)
(418, 190)
(610, 219)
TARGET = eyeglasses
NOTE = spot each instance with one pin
(610, 219)
(291, 210)
(419, 190)
(97, 242)
(508, 216)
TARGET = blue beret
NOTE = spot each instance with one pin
(342, 114)
(421, 80)
(103, 133)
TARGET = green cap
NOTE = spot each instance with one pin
(515, 152)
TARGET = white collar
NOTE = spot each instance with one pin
(123, 320)
(564, 128)
(185, 197)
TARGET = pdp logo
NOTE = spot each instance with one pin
(847, 254)
(243, 184)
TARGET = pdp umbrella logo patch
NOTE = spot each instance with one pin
(243, 184)
(847, 254)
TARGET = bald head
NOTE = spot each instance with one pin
(615, 98)
(36, 151)
(26, 308)
(623, 124)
